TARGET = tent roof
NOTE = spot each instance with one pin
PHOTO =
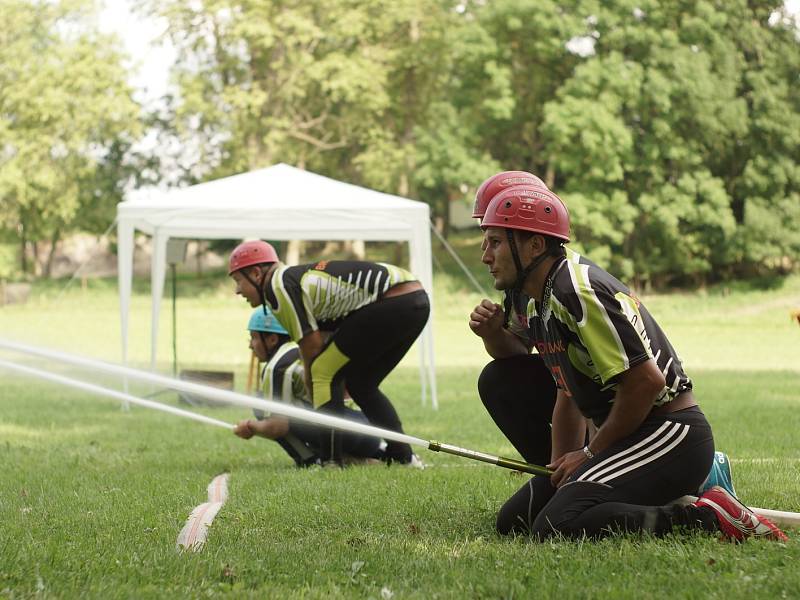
(276, 199)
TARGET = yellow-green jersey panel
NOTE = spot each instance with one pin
(312, 297)
(283, 379)
(590, 328)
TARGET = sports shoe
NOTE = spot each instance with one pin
(720, 475)
(736, 521)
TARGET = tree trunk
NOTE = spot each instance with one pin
(446, 199)
(201, 250)
(48, 266)
(23, 247)
(439, 222)
(402, 187)
(293, 250)
(550, 174)
(37, 267)
(331, 247)
(356, 248)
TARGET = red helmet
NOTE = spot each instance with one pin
(530, 209)
(499, 182)
(247, 254)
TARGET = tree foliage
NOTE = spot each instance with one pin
(671, 129)
(67, 123)
(360, 90)
(669, 122)
(673, 137)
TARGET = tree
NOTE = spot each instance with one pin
(654, 131)
(68, 120)
(422, 146)
(358, 90)
(262, 82)
(520, 62)
(763, 175)
(670, 128)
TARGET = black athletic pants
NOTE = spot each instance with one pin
(627, 487)
(370, 342)
(302, 441)
(519, 394)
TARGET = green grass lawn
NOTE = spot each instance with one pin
(92, 498)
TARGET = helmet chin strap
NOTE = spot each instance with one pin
(522, 273)
(259, 285)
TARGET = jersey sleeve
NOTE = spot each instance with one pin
(295, 384)
(293, 306)
(259, 413)
(608, 324)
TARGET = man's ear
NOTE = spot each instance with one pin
(541, 244)
(535, 243)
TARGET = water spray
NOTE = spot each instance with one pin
(785, 518)
(228, 397)
(102, 391)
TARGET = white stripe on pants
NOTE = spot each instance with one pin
(664, 439)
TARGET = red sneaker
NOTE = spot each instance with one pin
(737, 521)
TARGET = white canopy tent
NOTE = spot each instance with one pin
(277, 203)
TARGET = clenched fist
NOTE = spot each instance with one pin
(244, 430)
(486, 319)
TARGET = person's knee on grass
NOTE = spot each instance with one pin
(613, 365)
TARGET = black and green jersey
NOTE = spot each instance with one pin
(282, 378)
(590, 328)
(518, 320)
(282, 381)
(313, 297)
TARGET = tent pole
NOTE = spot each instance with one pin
(125, 283)
(173, 268)
(157, 273)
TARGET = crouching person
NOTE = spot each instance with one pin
(612, 363)
(353, 322)
(282, 380)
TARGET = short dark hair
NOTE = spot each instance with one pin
(550, 242)
(264, 266)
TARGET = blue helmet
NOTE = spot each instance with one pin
(265, 322)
